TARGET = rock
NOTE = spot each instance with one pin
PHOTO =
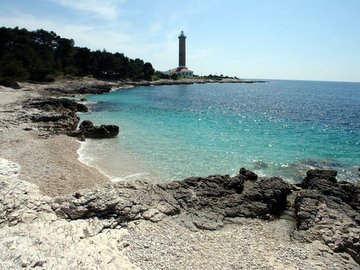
(269, 191)
(206, 201)
(124, 202)
(48, 118)
(13, 85)
(328, 210)
(58, 116)
(76, 89)
(57, 105)
(150, 213)
(210, 200)
(249, 175)
(86, 124)
(89, 130)
(28, 216)
(93, 89)
(81, 137)
(207, 220)
(33, 240)
(328, 175)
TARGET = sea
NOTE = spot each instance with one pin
(278, 128)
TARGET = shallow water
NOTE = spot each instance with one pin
(279, 128)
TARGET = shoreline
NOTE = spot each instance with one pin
(90, 222)
(128, 168)
(50, 161)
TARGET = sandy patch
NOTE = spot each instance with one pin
(49, 162)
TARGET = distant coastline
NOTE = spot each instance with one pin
(103, 85)
(195, 81)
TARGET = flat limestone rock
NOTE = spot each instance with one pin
(33, 236)
(329, 211)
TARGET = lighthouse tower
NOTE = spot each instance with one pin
(181, 70)
(182, 50)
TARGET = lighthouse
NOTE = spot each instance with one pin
(182, 50)
(181, 70)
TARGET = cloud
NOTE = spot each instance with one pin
(84, 35)
(133, 44)
(104, 9)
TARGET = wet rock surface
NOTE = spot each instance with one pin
(88, 130)
(329, 211)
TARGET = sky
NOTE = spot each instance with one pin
(254, 39)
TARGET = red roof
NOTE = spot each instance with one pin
(180, 70)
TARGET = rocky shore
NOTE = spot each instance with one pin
(56, 213)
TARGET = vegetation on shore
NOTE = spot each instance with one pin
(44, 56)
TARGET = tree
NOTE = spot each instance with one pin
(12, 70)
(64, 54)
(136, 68)
(148, 71)
(41, 55)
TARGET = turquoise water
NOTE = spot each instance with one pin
(279, 128)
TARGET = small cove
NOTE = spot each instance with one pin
(279, 128)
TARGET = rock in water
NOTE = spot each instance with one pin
(89, 130)
(330, 211)
(86, 125)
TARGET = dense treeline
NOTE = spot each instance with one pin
(42, 56)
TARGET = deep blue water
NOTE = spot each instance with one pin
(279, 128)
